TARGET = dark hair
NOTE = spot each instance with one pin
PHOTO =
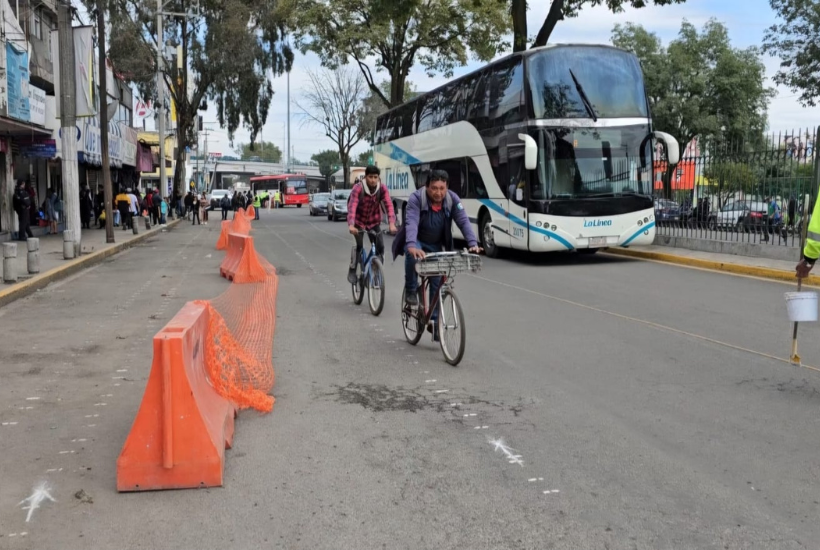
(438, 175)
(372, 170)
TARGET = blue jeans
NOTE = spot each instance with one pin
(411, 278)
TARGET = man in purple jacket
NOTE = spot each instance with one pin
(430, 214)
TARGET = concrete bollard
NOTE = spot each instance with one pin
(9, 262)
(135, 225)
(148, 222)
(68, 244)
(33, 255)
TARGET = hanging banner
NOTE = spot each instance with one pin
(17, 77)
(86, 85)
(37, 104)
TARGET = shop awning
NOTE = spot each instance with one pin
(14, 128)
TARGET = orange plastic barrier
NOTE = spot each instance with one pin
(183, 425)
(222, 243)
(251, 212)
(241, 223)
(242, 264)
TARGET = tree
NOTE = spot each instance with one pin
(796, 41)
(364, 158)
(229, 48)
(398, 34)
(328, 161)
(265, 151)
(559, 9)
(332, 101)
(373, 107)
(731, 177)
(700, 86)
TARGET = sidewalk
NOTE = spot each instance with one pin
(52, 265)
(765, 268)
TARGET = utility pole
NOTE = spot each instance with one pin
(287, 166)
(106, 164)
(68, 123)
(163, 178)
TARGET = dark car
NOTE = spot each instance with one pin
(337, 208)
(667, 212)
(318, 204)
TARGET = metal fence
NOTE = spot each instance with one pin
(758, 193)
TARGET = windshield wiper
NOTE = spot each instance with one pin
(587, 103)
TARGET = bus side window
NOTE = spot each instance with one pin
(420, 174)
(475, 184)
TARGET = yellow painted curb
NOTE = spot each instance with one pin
(738, 269)
(29, 286)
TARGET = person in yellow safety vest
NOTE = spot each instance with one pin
(812, 249)
(277, 200)
(257, 204)
(264, 197)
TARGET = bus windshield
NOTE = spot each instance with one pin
(297, 187)
(593, 162)
(562, 78)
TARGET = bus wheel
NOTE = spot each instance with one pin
(487, 242)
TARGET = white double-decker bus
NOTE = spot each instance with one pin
(550, 149)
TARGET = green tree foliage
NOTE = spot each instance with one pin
(229, 48)
(396, 35)
(699, 85)
(328, 161)
(796, 41)
(560, 9)
(732, 177)
(364, 158)
(264, 151)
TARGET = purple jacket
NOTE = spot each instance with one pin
(418, 206)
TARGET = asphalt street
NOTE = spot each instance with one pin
(603, 402)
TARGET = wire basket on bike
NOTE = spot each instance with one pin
(448, 263)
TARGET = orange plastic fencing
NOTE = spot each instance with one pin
(222, 243)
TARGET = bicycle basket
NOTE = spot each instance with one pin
(448, 264)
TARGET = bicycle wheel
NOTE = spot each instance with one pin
(358, 286)
(452, 331)
(375, 287)
(411, 320)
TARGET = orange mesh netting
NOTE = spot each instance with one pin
(239, 344)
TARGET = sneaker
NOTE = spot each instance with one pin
(351, 276)
(412, 299)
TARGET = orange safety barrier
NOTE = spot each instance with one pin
(242, 264)
(183, 425)
(251, 211)
(222, 243)
(241, 223)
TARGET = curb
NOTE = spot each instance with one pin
(737, 269)
(22, 289)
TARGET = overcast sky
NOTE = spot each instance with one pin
(746, 21)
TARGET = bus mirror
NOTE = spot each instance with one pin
(530, 151)
(672, 147)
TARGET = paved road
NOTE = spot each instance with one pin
(638, 397)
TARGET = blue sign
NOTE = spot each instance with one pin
(17, 75)
(38, 148)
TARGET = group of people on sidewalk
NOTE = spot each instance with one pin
(24, 202)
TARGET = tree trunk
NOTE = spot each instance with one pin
(345, 169)
(179, 156)
(519, 19)
(555, 15)
(397, 80)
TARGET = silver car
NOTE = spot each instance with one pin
(337, 207)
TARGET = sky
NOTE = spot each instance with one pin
(746, 21)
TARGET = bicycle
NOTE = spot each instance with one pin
(370, 276)
(452, 331)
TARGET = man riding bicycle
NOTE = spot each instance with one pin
(431, 212)
(364, 214)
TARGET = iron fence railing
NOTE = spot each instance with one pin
(752, 194)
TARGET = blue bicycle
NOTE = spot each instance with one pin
(370, 276)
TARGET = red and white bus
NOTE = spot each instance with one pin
(293, 188)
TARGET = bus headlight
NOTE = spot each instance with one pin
(537, 224)
(554, 227)
(640, 223)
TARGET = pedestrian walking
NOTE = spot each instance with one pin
(204, 204)
(195, 213)
(86, 207)
(156, 201)
(21, 203)
(123, 202)
(225, 203)
(135, 207)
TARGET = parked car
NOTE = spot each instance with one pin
(318, 204)
(218, 194)
(337, 208)
(667, 212)
(739, 215)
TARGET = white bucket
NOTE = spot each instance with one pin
(802, 306)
